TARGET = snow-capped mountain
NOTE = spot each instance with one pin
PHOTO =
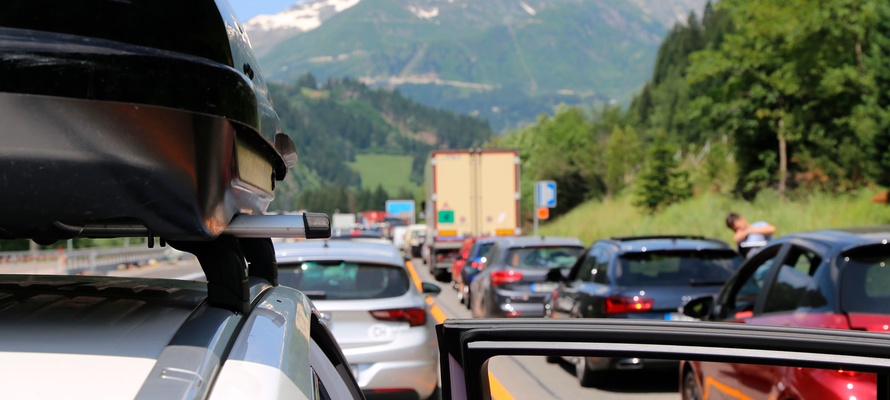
(506, 60)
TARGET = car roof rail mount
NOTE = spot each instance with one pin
(302, 226)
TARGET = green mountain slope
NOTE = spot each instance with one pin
(506, 61)
(335, 123)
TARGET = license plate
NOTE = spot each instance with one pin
(543, 287)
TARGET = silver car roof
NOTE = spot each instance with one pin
(346, 250)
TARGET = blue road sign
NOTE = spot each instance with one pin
(546, 194)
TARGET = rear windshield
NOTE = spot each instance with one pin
(482, 249)
(865, 283)
(543, 257)
(344, 280)
(675, 268)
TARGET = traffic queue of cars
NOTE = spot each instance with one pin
(827, 279)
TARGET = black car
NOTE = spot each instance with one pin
(513, 282)
(643, 277)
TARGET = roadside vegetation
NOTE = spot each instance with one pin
(779, 111)
(704, 215)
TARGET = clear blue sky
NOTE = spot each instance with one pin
(247, 9)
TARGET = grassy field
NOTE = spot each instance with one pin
(391, 171)
(705, 215)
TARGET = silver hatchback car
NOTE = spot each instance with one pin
(375, 309)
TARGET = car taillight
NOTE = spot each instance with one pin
(413, 316)
(621, 305)
(477, 264)
(502, 277)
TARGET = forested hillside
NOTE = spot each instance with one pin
(505, 61)
(790, 97)
(333, 121)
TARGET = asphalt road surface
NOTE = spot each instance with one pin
(534, 378)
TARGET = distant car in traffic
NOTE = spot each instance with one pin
(379, 317)
(471, 264)
(513, 282)
(826, 279)
(640, 277)
(414, 240)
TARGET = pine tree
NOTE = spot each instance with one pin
(662, 183)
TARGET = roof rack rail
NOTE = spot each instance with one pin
(650, 237)
(303, 226)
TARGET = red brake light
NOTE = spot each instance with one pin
(413, 316)
(621, 305)
(502, 277)
(848, 373)
(477, 264)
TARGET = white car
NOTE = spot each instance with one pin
(376, 309)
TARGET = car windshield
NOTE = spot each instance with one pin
(337, 280)
(865, 284)
(543, 257)
(675, 268)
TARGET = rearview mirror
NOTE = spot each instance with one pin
(699, 308)
(431, 289)
(558, 275)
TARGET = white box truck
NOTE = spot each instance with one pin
(470, 193)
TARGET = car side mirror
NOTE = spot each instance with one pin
(699, 308)
(430, 289)
(558, 275)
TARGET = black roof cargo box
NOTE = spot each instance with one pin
(151, 112)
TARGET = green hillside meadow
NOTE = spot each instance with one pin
(390, 171)
(705, 214)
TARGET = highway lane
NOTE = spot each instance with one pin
(534, 378)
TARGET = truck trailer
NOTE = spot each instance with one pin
(470, 193)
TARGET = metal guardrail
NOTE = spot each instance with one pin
(81, 261)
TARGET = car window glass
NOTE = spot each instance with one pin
(587, 267)
(481, 250)
(865, 283)
(752, 280)
(795, 287)
(674, 268)
(344, 280)
(543, 257)
(494, 256)
(602, 268)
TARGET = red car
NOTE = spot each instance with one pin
(828, 279)
(461, 259)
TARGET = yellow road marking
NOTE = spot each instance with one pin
(724, 388)
(498, 391)
(417, 283)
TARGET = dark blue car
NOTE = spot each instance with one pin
(640, 277)
(474, 263)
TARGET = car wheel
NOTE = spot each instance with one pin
(691, 391)
(585, 375)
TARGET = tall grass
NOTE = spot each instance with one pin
(705, 215)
